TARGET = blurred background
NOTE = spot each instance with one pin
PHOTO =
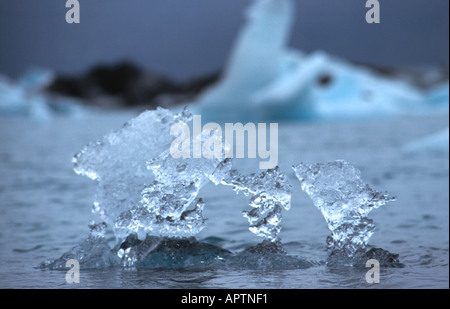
(183, 39)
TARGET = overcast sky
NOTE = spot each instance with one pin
(183, 38)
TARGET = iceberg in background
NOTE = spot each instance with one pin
(439, 95)
(26, 97)
(263, 80)
(266, 80)
(257, 60)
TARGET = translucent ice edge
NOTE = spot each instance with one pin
(270, 193)
(345, 201)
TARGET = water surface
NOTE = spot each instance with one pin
(45, 207)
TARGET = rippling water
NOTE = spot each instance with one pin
(45, 207)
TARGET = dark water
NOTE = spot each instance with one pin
(45, 207)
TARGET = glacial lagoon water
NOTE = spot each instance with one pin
(45, 208)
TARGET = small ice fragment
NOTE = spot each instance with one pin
(345, 201)
(93, 253)
(270, 191)
(98, 230)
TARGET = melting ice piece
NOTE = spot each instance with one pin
(133, 250)
(169, 206)
(270, 191)
(118, 160)
(345, 201)
(165, 252)
(147, 219)
(268, 256)
(93, 253)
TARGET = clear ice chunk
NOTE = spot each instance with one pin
(270, 256)
(164, 252)
(169, 206)
(93, 253)
(270, 193)
(345, 201)
(118, 161)
(142, 188)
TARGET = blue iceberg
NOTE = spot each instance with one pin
(27, 97)
(266, 80)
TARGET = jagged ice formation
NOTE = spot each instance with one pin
(270, 192)
(345, 201)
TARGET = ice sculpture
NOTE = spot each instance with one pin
(270, 191)
(345, 201)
